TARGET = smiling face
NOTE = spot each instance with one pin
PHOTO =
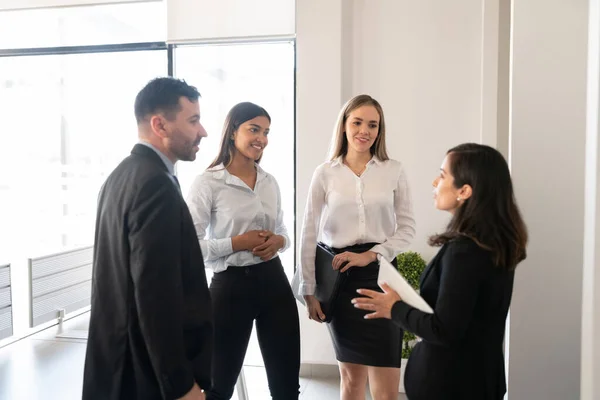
(361, 128)
(251, 137)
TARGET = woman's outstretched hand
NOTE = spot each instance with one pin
(379, 303)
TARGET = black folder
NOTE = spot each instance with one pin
(329, 281)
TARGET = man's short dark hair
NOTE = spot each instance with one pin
(161, 95)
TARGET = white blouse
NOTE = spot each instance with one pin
(223, 206)
(345, 209)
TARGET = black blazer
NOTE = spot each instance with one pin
(460, 356)
(150, 331)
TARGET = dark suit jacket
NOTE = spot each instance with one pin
(460, 356)
(150, 331)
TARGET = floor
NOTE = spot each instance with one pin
(43, 366)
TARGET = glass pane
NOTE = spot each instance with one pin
(68, 122)
(261, 73)
(83, 26)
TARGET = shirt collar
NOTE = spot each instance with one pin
(340, 161)
(337, 161)
(170, 166)
(220, 172)
(376, 160)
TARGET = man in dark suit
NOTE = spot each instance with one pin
(150, 331)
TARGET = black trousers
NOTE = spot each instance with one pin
(241, 295)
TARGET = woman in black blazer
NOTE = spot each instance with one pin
(468, 284)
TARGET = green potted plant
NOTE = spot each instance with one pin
(411, 266)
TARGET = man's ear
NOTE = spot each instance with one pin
(157, 123)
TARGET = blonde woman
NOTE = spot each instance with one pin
(361, 199)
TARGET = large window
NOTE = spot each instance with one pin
(67, 90)
(261, 73)
(68, 122)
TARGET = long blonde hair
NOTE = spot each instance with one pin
(339, 142)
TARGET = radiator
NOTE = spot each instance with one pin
(6, 321)
(60, 284)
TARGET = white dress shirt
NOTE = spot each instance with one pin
(223, 206)
(345, 209)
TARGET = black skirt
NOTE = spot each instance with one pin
(372, 342)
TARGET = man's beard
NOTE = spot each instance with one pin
(182, 148)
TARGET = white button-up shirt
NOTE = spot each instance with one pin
(344, 209)
(223, 206)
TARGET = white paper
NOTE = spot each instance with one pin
(390, 275)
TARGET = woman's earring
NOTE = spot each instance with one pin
(459, 199)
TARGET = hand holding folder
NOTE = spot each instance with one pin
(391, 276)
(328, 281)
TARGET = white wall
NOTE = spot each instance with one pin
(590, 343)
(193, 20)
(548, 167)
(318, 99)
(422, 61)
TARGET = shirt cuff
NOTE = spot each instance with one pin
(286, 243)
(381, 250)
(307, 289)
(220, 247)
